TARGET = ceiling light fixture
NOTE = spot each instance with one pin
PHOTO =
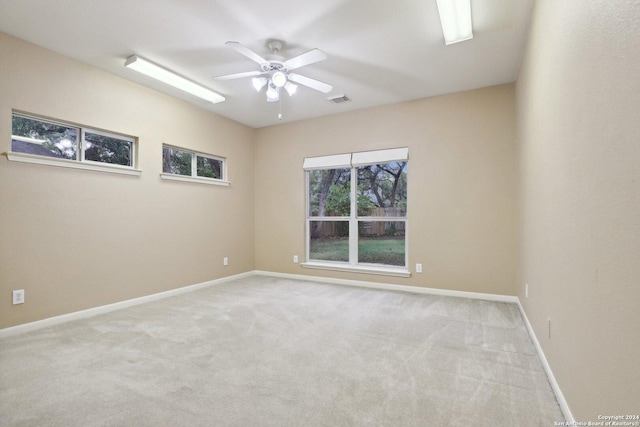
(161, 74)
(259, 82)
(290, 88)
(455, 17)
(279, 79)
(273, 94)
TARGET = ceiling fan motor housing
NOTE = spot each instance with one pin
(278, 68)
(272, 66)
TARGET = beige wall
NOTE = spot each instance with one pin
(78, 239)
(579, 149)
(568, 189)
(462, 184)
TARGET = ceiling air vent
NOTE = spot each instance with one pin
(339, 99)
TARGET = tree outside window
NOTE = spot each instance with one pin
(368, 230)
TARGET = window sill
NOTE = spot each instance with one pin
(73, 164)
(194, 179)
(381, 271)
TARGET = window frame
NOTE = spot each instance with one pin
(80, 162)
(194, 178)
(353, 162)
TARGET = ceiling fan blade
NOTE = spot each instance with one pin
(239, 75)
(246, 52)
(310, 57)
(309, 82)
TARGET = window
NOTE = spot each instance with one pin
(185, 165)
(36, 136)
(357, 211)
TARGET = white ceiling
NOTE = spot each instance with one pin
(379, 51)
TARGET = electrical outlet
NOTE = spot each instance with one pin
(526, 290)
(225, 261)
(18, 297)
(295, 259)
(418, 268)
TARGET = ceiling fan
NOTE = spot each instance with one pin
(275, 72)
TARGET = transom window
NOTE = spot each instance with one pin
(193, 166)
(357, 209)
(43, 137)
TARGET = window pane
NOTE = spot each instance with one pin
(42, 138)
(330, 192)
(176, 161)
(107, 149)
(329, 240)
(381, 242)
(209, 168)
(382, 190)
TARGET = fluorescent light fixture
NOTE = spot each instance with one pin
(154, 71)
(259, 82)
(455, 17)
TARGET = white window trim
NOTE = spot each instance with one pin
(352, 161)
(380, 156)
(80, 162)
(83, 143)
(72, 164)
(335, 161)
(360, 268)
(361, 158)
(195, 179)
(194, 169)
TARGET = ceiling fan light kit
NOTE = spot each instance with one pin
(276, 72)
(290, 88)
(455, 17)
(154, 71)
(259, 82)
(278, 78)
(273, 94)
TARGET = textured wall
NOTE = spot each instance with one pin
(461, 206)
(578, 103)
(77, 239)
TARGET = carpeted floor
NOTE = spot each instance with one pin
(272, 352)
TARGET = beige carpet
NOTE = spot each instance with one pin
(272, 352)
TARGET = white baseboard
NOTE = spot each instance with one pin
(564, 406)
(391, 287)
(15, 330)
(431, 291)
(56, 320)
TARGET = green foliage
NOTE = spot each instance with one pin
(365, 204)
(388, 251)
(61, 141)
(176, 161)
(209, 168)
(384, 185)
(105, 149)
(392, 229)
(339, 199)
(336, 249)
(327, 195)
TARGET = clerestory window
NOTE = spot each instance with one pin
(52, 142)
(186, 165)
